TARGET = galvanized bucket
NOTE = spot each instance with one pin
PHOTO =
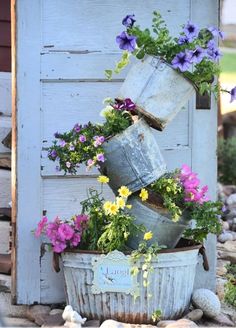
(158, 220)
(133, 158)
(171, 287)
(157, 89)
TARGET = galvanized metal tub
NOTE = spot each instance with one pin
(157, 89)
(133, 158)
(158, 220)
(171, 286)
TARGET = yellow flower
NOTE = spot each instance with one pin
(143, 194)
(113, 209)
(148, 235)
(107, 206)
(120, 202)
(103, 179)
(129, 206)
(175, 217)
(124, 192)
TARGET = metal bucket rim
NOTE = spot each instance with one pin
(163, 251)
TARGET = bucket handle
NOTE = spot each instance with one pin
(205, 263)
(55, 262)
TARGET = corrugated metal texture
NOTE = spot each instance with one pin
(158, 220)
(133, 158)
(171, 286)
(158, 89)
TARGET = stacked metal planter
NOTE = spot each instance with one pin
(133, 158)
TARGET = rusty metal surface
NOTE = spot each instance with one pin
(171, 286)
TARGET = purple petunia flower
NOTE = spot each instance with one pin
(126, 41)
(181, 61)
(184, 39)
(215, 32)
(129, 104)
(98, 141)
(196, 55)
(68, 164)
(90, 163)
(77, 127)
(128, 21)
(191, 30)
(233, 94)
(212, 51)
(57, 135)
(62, 143)
(100, 157)
(72, 147)
(82, 138)
(53, 153)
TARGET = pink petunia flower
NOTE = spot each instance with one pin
(59, 246)
(42, 223)
(75, 240)
(79, 219)
(65, 232)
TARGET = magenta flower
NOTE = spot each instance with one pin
(42, 223)
(75, 240)
(59, 246)
(65, 232)
(185, 170)
(181, 61)
(129, 20)
(52, 231)
(79, 219)
(233, 94)
(126, 41)
(82, 138)
(100, 157)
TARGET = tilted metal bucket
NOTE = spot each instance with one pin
(133, 158)
(158, 90)
(165, 231)
(171, 287)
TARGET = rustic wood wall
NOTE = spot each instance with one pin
(61, 51)
(5, 36)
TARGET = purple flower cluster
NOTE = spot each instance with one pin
(99, 140)
(190, 183)
(233, 94)
(129, 20)
(190, 32)
(212, 51)
(124, 104)
(62, 234)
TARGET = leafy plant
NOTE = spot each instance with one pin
(156, 316)
(230, 287)
(83, 144)
(194, 53)
(227, 160)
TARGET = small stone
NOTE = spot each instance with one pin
(194, 315)
(234, 235)
(225, 225)
(92, 323)
(221, 267)
(56, 311)
(228, 246)
(53, 320)
(228, 189)
(223, 320)
(17, 322)
(35, 310)
(182, 323)
(220, 288)
(225, 236)
(231, 199)
(117, 324)
(164, 323)
(40, 318)
(207, 301)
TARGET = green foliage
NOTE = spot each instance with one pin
(230, 287)
(206, 217)
(170, 189)
(227, 160)
(144, 253)
(116, 122)
(156, 316)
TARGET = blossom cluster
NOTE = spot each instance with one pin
(194, 49)
(191, 186)
(62, 234)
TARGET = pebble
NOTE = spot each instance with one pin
(223, 320)
(17, 322)
(164, 323)
(194, 315)
(225, 225)
(116, 324)
(36, 310)
(228, 189)
(220, 288)
(207, 301)
(182, 323)
(225, 236)
(231, 200)
(56, 311)
(221, 267)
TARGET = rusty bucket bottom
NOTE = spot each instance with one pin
(170, 287)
